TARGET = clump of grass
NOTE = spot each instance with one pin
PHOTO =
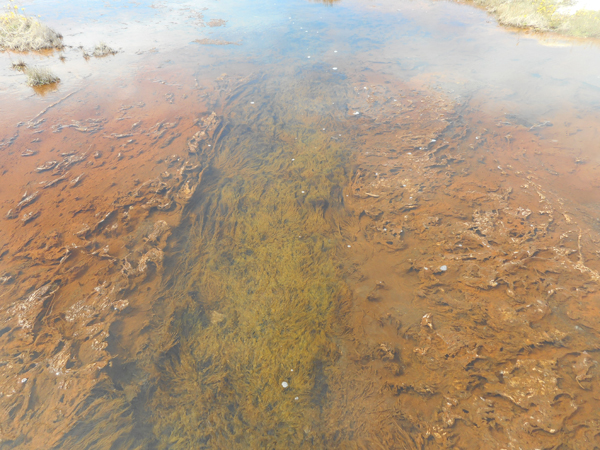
(37, 76)
(544, 15)
(585, 24)
(20, 65)
(103, 50)
(24, 33)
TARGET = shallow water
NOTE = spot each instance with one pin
(315, 225)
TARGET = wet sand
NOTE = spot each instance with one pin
(296, 258)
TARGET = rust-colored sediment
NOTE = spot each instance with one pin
(89, 194)
(472, 320)
(474, 317)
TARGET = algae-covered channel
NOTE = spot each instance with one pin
(317, 225)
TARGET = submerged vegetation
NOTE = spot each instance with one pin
(254, 340)
(37, 76)
(21, 32)
(545, 15)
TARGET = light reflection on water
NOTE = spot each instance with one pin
(443, 42)
(257, 287)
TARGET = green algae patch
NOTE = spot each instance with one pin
(254, 329)
(545, 15)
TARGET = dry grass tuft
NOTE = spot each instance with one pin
(23, 33)
(37, 76)
(20, 65)
(103, 50)
(544, 15)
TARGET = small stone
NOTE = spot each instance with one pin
(284, 384)
(444, 268)
(216, 317)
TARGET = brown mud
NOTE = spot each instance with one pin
(88, 204)
(475, 281)
(420, 274)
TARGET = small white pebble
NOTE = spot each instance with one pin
(335, 68)
(356, 113)
(296, 398)
(303, 192)
(309, 56)
(252, 103)
(349, 246)
(444, 268)
(335, 51)
(23, 380)
(284, 384)
(291, 370)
